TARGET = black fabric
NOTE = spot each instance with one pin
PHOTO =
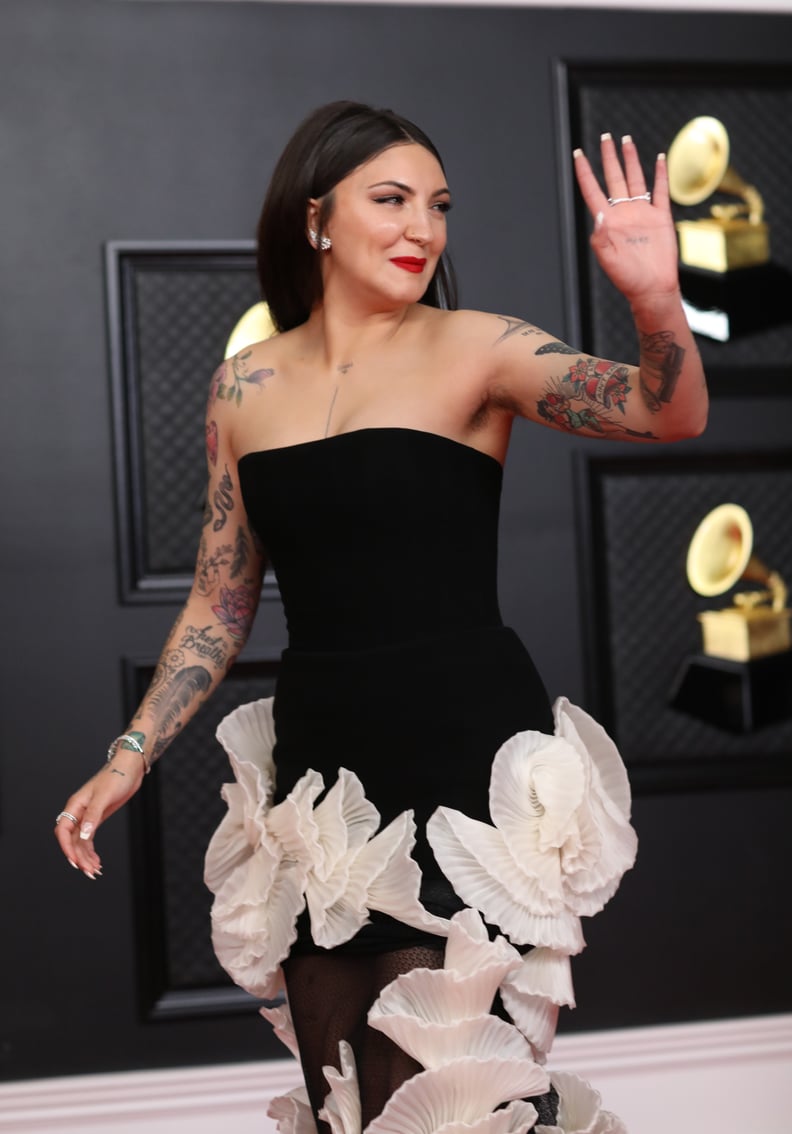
(329, 997)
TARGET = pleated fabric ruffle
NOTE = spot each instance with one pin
(558, 845)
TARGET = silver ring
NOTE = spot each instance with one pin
(66, 815)
(623, 200)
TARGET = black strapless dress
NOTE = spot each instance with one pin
(402, 697)
(384, 543)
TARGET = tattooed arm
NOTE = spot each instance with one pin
(205, 639)
(662, 399)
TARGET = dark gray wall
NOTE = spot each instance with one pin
(123, 120)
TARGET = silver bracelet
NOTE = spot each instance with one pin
(134, 743)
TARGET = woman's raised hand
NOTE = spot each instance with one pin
(634, 238)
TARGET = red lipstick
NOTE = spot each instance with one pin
(409, 263)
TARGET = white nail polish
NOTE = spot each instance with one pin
(74, 864)
(88, 874)
(577, 153)
(626, 138)
(606, 137)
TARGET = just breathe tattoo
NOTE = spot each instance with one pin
(199, 641)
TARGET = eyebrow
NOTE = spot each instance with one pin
(407, 188)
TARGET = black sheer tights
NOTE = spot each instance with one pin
(329, 996)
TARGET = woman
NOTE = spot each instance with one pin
(359, 452)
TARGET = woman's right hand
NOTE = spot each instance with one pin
(86, 810)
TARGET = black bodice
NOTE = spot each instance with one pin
(377, 536)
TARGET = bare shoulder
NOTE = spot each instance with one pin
(486, 328)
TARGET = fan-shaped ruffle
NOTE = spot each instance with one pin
(560, 840)
(265, 863)
(579, 1109)
(558, 845)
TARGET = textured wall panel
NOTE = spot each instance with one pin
(173, 820)
(171, 309)
(642, 612)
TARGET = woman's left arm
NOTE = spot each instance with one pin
(664, 398)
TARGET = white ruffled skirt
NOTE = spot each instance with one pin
(557, 846)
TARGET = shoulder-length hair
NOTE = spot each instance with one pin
(331, 142)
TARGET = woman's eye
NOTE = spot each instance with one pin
(395, 199)
(443, 206)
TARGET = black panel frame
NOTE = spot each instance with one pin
(124, 261)
(161, 996)
(650, 771)
(574, 80)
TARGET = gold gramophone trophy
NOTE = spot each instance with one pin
(719, 556)
(729, 284)
(732, 236)
(742, 680)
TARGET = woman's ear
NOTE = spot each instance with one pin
(312, 221)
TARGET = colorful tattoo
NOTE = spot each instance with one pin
(516, 327)
(211, 442)
(223, 500)
(661, 363)
(600, 383)
(586, 396)
(230, 387)
(140, 737)
(236, 609)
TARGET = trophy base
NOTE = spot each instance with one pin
(739, 697)
(744, 635)
(723, 245)
(725, 305)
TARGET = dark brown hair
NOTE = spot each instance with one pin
(331, 142)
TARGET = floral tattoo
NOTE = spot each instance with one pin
(236, 609)
(228, 386)
(587, 396)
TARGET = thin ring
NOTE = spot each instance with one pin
(66, 815)
(623, 200)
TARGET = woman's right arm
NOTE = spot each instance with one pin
(204, 641)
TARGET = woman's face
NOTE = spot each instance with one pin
(388, 227)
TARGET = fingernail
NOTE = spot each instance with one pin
(85, 830)
(74, 864)
(577, 153)
(626, 138)
(605, 137)
(88, 874)
(661, 157)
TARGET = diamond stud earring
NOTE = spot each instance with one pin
(325, 243)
